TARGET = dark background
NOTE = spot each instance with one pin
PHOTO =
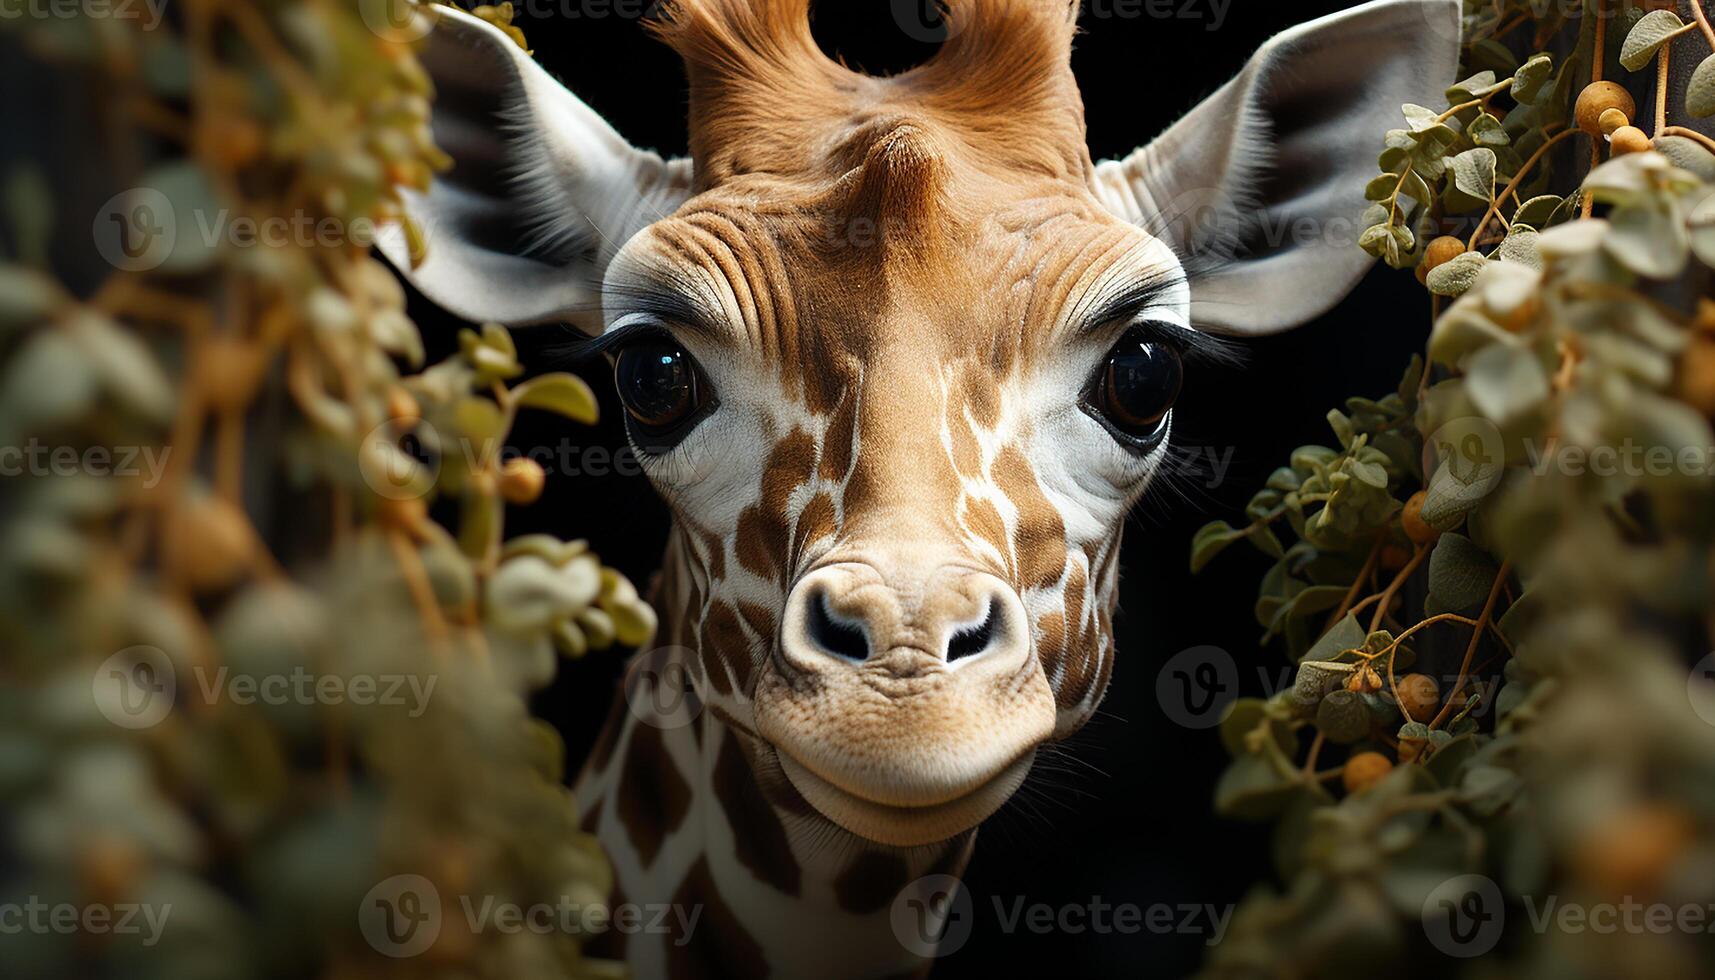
(1125, 814)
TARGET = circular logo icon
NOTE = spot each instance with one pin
(1700, 688)
(397, 21)
(1196, 686)
(922, 20)
(1443, 20)
(400, 462)
(136, 229)
(1464, 916)
(1468, 457)
(1196, 220)
(135, 688)
(401, 917)
(664, 687)
(933, 916)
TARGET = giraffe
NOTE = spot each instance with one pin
(900, 356)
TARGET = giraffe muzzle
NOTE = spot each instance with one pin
(905, 705)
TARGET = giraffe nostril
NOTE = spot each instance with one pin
(836, 636)
(972, 640)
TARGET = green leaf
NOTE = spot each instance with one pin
(1647, 36)
(27, 296)
(1520, 246)
(1345, 635)
(1420, 118)
(1700, 93)
(1474, 173)
(1254, 788)
(1460, 573)
(1537, 211)
(1486, 130)
(1648, 236)
(1245, 716)
(562, 393)
(1210, 540)
(1505, 382)
(1471, 88)
(1702, 230)
(1531, 77)
(1455, 276)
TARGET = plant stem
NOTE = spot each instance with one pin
(1703, 22)
(1513, 185)
(1345, 605)
(1393, 587)
(1476, 639)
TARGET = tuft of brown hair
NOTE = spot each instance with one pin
(764, 98)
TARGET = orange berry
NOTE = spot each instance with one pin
(1412, 519)
(1599, 97)
(1365, 770)
(1629, 852)
(1629, 139)
(521, 481)
(1438, 253)
(1612, 119)
(1419, 696)
(1393, 558)
(401, 407)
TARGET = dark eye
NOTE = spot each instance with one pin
(663, 391)
(1135, 389)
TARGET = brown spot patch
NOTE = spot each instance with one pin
(760, 836)
(871, 881)
(652, 798)
(719, 946)
(841, 437)
(814, 524)
(726, 649)
(1039, 537)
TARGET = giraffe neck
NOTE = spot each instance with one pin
(742, 875)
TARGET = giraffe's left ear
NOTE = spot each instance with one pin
(1261, 188)
(541, 194)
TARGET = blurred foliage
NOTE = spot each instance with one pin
(288, 532)
(1564, 758)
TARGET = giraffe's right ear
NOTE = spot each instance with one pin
(1261, 188)
(541, 194)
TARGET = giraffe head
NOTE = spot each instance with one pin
(900, 355)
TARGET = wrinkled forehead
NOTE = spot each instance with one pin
(1023, 274)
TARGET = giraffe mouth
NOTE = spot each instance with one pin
(904, 826)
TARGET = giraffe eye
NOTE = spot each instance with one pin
(1135, 389)
(663, 390)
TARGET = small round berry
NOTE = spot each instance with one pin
(1629, 139)
(401, 407)
(521, 481)
(1599, 97)
(1612, 119)
(1419, 696)
(1438, 253)
(1365, 770)
(1412, 519)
